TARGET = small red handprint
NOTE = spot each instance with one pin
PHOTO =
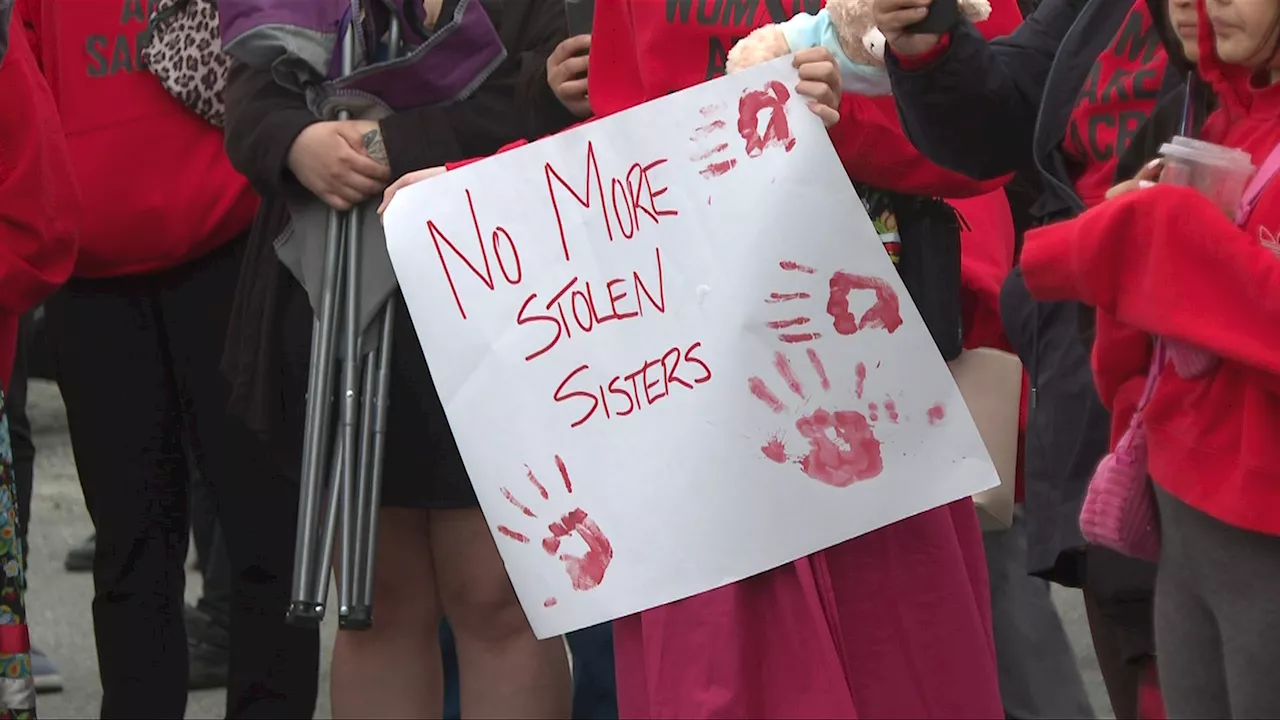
(777, 133)
(585, 571)
(885, 313)
(712, 145)
(843, 448)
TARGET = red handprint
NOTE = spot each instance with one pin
(712, 144)
(777, 133)
(843, 447)
(884, 314)
(585, 571)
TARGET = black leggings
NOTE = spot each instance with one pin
(137, 361)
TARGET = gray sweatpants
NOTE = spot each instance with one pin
(1039, 676)
(1217, 616)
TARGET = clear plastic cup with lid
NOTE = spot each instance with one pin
(1219, 173)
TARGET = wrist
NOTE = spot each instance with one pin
(918, 52)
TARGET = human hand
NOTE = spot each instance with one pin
(893, 17)
(1148, 176)
(819, 82)
(405, 181)
(329, 159)
(567, 74)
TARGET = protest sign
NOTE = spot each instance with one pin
(674, 352)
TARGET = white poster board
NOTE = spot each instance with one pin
(674, 352)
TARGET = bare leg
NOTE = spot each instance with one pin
(505, 671)
(393, 669)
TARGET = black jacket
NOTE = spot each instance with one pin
(989, 109)
(271, 317)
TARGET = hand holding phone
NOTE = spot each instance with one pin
(899, 21)
(943, 15)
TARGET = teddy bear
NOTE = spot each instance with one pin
(846, 28)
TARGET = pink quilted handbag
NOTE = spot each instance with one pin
(1119, 510)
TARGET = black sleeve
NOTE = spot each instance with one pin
(513, 104)
(974, 109)
(263, 120)
(546, 28)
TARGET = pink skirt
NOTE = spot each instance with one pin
(893, 624)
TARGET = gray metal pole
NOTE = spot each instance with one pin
(372, 441)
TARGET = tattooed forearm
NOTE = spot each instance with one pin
(374, 146)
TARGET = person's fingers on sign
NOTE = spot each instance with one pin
(893, 17)
(405, 181)
(1148, 176)
(567, 74)
(819, 83)
(329, 159)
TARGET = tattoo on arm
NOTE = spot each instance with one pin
(374, 146)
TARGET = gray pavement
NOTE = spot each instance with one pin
(59, 601)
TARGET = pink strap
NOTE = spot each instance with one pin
(1158, 359)
(1259, 183)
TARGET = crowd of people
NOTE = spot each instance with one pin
(1141, 310)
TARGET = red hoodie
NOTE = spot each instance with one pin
(39, 205)
(1169, 262)
(159, 188)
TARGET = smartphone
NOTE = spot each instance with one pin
(580, 14)
(943, 16)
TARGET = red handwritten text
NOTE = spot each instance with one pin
(623, 395)
(511, 271)
(588, 306)
(628, 196)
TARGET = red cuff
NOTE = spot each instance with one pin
(1047, 262)
(912, 63)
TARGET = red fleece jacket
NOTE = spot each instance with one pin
(39, 205)
(1167, 261)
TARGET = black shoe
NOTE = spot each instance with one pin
(208, 651)
(80, 557)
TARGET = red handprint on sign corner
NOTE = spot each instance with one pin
(762, 124)
(585, 571)
(842, 446)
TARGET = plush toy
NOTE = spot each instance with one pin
(847, 29)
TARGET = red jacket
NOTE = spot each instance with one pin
(39, 205)
(159, 188)
(1169, 262)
